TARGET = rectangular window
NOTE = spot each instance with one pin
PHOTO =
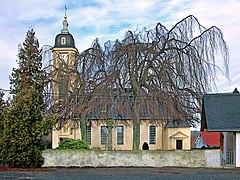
(103, 134)
(152, 134)
(89, 135)
(120, 135)
(62, 88)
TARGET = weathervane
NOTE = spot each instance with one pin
(65, 23)
(65, 10)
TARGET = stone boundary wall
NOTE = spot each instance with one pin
(178, 158)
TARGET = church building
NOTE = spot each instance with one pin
(153, 135)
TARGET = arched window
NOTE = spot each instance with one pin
(63, 40)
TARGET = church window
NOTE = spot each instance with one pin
(62, 88)
(103, 134)
(63, 40)
(89, 135)
(120, 133)
(152, 134)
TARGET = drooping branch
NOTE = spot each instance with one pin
(156, 74)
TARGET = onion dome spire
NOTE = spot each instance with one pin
(65, 23)
(64, 39)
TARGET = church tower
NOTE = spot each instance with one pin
(64, 62)
(64, 75)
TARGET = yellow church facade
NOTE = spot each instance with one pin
(154, 135)
(169, 136)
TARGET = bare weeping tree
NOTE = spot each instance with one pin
(90, 83)
(156, 74)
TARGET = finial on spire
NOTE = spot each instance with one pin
(65, 23)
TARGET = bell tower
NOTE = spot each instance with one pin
(64, 76)
(64, 63)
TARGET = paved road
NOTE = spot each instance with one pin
(120, 173)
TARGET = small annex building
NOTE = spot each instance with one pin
(221, 113)
(154, 134)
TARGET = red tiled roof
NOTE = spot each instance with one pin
(211, 138)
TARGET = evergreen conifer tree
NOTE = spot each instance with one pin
(24, 125)
(2, 105)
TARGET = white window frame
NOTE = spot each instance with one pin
(120, 135)
(104, 135)
(63, 40)
(152, 134)
(89, 134)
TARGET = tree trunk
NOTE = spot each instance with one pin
(83, 129)
(109, 143)
(136, 125)
(136, 135)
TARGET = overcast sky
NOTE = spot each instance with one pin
(109, 20)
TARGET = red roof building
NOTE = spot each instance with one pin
(211, 138)
(208, 139)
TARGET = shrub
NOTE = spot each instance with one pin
(73, 144)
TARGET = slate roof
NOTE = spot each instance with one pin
(221, 112)
(69, 41)
(174, 124)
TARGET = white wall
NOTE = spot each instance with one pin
(179, 158)
(238, 149)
